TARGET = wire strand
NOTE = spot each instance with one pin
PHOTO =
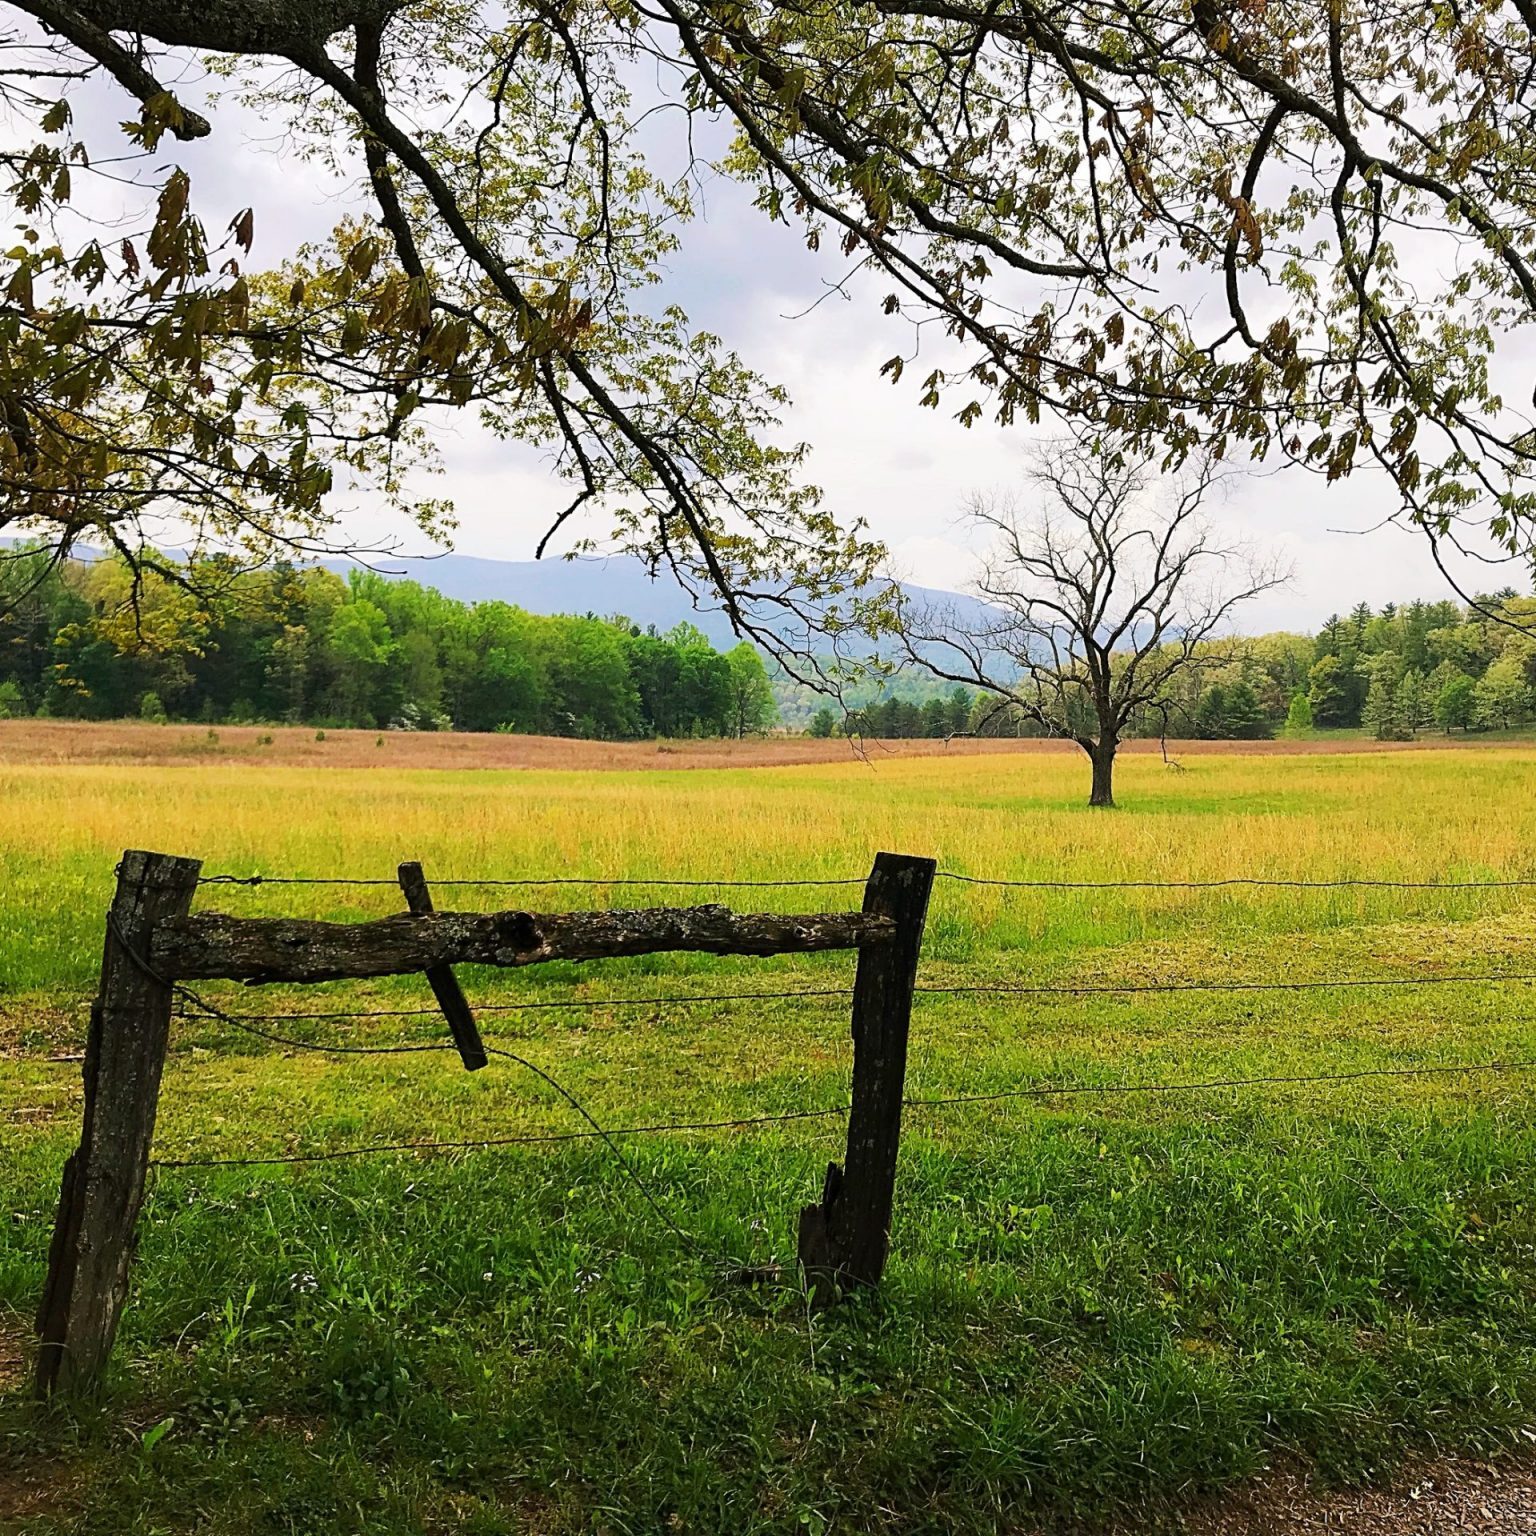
(589, 880)
(530, 1139)
(959, 989)
(1237, 880)
(1035, 1091)
(724, 882)
(1204, 1084)
(1087, 989)
(579, 1002)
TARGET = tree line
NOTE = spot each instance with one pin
(1394, 673)
(1426, 666)
(96, 640)
(86, 639)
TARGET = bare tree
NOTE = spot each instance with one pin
(1101, 598)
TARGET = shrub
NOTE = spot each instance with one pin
(1298, 717)
(151, 708)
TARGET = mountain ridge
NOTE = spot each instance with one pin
(604, 585)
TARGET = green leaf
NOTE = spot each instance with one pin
(156, 1433)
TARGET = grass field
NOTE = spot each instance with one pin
(1096, 1307)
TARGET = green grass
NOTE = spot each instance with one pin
(1095, 1306)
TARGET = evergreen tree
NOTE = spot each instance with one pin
(1211, 714)
(1383, 714)
(1333, 689)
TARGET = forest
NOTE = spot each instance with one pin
(1394, 674)
(83, 640)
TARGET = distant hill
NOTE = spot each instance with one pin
(617, 584)
(621, 585)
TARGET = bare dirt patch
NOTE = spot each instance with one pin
(31, 1485)
(135, 743)
(1492, 1499)
(14, 1339)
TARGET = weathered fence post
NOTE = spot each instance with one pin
(844, 1239)
(445, 985)
(103, 1185)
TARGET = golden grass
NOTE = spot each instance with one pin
(1417, 816)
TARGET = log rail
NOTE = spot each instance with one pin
(209, 946)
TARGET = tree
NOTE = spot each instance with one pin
(960, 702)
(1230, 714)
(1334, 693)
(1502, 695)
(362, 645)
(508, 228)
(1211, 714)
(1102, 601)
(1455, 704)
(1298, 717)
(1415, 703)
(752, 708)
(1383, 714)
(823, 723)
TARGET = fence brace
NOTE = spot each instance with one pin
(153, 940)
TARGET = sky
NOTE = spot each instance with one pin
(906, 471)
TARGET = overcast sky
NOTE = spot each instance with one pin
(905, 470)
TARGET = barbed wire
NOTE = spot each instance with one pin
(1238, 880)
(1205, 1084)
(529, 1139)
(1089, 989)
(723, 882)
(1034, 1091)
(179, 989)
(602, 880)
(577, 1002)
(958, 989)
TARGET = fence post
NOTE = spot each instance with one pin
(844, 1239)
(103, 1184)
(445, 985)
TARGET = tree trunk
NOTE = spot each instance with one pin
(1103, 758)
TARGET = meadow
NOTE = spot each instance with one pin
(1100, 1304)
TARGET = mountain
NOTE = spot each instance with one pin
(617, 584)
(605, 586)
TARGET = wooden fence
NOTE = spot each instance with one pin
(154, 941)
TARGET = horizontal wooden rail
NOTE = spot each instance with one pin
(210, 945)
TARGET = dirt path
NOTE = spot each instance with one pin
(1444, 1497)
